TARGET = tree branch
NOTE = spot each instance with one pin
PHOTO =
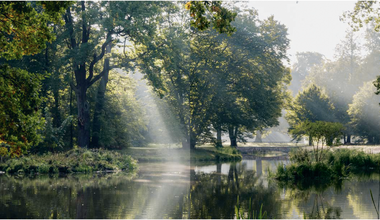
(91, 81)
(69, 25)
(73, 87)
(96, 78)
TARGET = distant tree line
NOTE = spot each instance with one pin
(340, 90)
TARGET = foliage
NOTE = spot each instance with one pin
(312, 104)
(20, 116)
(365, 12)
(76, 160)
(122, 118)
(245, 71)
(364, 113)
(135, 22)
(24, 28)
(341, 78)
(204, 13)
(211, 80)
(323, 132)
(52, 137)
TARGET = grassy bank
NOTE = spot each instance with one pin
(157, 153)
(328, 166)
(87, 161)
(73, 161)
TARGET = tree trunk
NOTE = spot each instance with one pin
(219, 136)
(310, 140)
(56, 114)
(370, 140)
(71, 113)
(185, 144)
(83, 117)
(99, 105)
(193, 141)
(189, 142)
(376, 140)
(232, 131)
(348, 139)
(258, 138)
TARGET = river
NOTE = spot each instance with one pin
(183, 190)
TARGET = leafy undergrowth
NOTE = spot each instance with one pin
(143, 154)
(73, 161)
(304, 169)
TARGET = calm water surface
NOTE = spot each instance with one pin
(180, 190)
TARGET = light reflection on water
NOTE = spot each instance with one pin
(164, 190)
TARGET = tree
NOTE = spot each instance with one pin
(135, 21)
(24, 28)
(306, 61)
(249, 67)
(340, 79)
(121, 118)
(311, 105)
(323, 133)
(215, 80)
(20, 116)
(365, 12)
(364, 113)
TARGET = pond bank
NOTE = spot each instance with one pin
(73, 161)
(151, 154)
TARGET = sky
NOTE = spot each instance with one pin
(312, 25)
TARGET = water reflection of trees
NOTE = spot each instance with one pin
(53, 197)
(170, 195)
(84, 196)
(344, 199)
(322, 209)
(215, 195)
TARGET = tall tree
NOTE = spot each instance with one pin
(306, 61)
(365, 12)
(252, 67)
(91, 27)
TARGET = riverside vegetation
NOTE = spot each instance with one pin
(73, 161)
(306, 169)
(81, 160)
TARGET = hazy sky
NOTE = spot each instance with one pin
(312, 25)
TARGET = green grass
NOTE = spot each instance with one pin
(73, 161)
(156, 154)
